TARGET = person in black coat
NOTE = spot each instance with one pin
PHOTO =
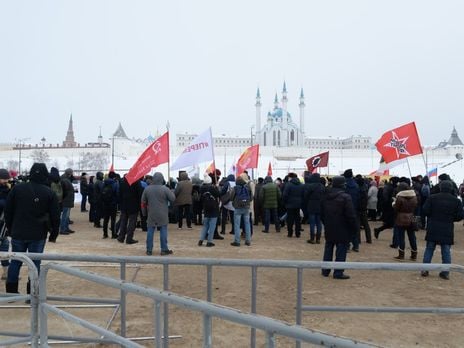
(442, 210)
(31, 211)
(314, 191)
(209, 194)
(340, 225)
(129, 204)
(84, 190)
(292, 198)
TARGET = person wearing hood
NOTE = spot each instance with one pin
(155, 205)
(313, 193)
(68, 201)
(227, 210)
(340, 224)
(84, 190)
(269, 196)
(97, 190)
(292, 198)
(404, 206)
(352, 188)
(442, 210)
(183, 202)
(241, 197)
(31, 211)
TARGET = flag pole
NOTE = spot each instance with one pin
(409, 168)
(169, 157)
(214, 158)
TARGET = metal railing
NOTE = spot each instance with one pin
(210, 310)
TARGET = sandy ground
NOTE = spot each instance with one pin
(276, 290)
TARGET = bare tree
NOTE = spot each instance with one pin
(40, 156)
(93, 161)
(13, 165)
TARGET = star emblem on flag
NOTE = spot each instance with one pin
(399, 144)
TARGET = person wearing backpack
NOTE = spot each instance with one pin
(110, 203)
(241, 198)
(210, 201)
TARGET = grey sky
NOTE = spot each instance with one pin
(365, 66)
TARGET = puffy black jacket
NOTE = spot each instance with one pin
(293, 194)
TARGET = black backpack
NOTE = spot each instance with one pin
(209, 202)
(107, 194)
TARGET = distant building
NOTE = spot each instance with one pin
(69, 140)
(453, 140)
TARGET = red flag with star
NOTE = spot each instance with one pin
(248, 159)
(155, 154)
(321, 160)
(399, 143)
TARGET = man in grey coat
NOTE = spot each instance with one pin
(155, 201)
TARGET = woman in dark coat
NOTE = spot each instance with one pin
(442, 210)
(314, 191)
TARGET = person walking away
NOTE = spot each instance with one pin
(183, 202)
(372, 200)
(424, 193)
(404, 205)
(352, 189)
(31, 211)
(4, 243)
(269, 196)
(97, 189)
(210, 201)
(84, 190)
(68, 201)
(314, 191)
(362, 213)
(109, 198)
(241, 198)
(292, 198)
(442, 210)
(155, 200)
(339, 219)
(129, 204)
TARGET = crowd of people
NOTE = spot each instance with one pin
(336, 208)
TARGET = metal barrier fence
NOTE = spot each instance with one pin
(209, 310)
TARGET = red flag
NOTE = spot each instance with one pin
(111, 168)
(399, 143)
(211, 168)
(269, 170)
(155, 154)
(321, 160)
(248, 159)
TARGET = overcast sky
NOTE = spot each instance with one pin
(365, 66)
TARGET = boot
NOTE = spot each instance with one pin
(413, 255)
(12, 288)
(318, 239)
(400, 255)
(5, 273)
(311, 240)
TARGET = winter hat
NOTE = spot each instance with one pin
(348, 173)
(207, 179)
(245, 177)
(4, 174)
(39, 173)
(443, 176)
(338, 182)
(68, 172)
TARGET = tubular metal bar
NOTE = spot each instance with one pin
(270, 340)
(254, 279)
(207, 321)
(253, 320)
(158, 324)
(109, 301)
(437, 310)
(251, 262)
(165, 305)
(123, 303)
(95, 328)
(299, 299)
(13, 298)
(74, 340)
(13, 341)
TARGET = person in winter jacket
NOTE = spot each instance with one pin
(68, 201)
(292, 198)
(339, 218)
(155, 202)
(109, 197)
(97, 189)
(4, 243)
(442, 210)
(372, 200)
(227, 209)
(404, 205)
(129, 204)
(31, 211)
(269, 196)
(352, 188)
(209, 195)
(313, 194)
(241, 197)
(183, 202)
(84, 190)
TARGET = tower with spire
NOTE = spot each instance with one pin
(69, 140)
(279, 128)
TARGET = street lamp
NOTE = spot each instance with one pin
(20, 145)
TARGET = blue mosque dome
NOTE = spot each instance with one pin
(277, 113)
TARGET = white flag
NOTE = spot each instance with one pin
(200, 150)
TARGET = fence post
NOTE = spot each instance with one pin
(165, 306)
(299, 299)
(123, 300)
(254, 277)
(207, 321)
(43, 315)
(158, 324)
